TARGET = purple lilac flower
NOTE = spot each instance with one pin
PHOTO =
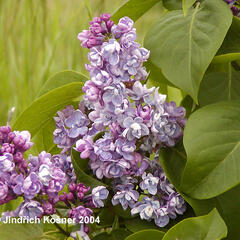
(146, 208)
(140, 91)
(134, 128)
(85, 146)
(78, 212)
(77, 123)
(125, 148)
(149, 183)
(31, 209)
(124, 25)
(104, 148)
(3, 191)
(31, 186)
(98, 194)
(125, 195)
(6, 162)
(92, 92)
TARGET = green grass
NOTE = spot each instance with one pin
(39, 38)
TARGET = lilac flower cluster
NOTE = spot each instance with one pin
(38, 180)
(234, 6)
(121, 122)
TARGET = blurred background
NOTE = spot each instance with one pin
(39, 38)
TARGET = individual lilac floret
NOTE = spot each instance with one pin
(31, 186)
(110, 51)
(134, 128)
(85, 146)
(125, 148)
(104, 148)
(140, 92)
(3, 191)
(100, 77)
(124, 25)
(114, 94)
(99, 194)
(146, 208)
(77, 123)
(92, 92)
(6, 162)
(125, 195)
(31, 210)
(149, 183)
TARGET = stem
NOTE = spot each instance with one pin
(61, 229)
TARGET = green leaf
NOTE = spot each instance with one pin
(45, 107)
(146, 234)
(219, 86)
(156, 76)
(21, 231)
(172, 4)
(137, 224)
(231, 43)
(119, 234)
(226, 58)
(184, 46)
(186, 4)
(212, 143)
(133, 9)
(60, 79)
(208, 227)
(80, 164)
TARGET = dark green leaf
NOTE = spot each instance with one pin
(146, 234)
(184, 46)
(219, 86)
(119, 234)
(172, 4)
(60, 79)
(136, 224)
(133, 9)
(212, 143)
(208, 227)
(45, 107)
(231, 43)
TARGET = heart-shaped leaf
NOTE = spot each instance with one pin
(184, 46)
(150, 234)
(208, 227)
(212, 143)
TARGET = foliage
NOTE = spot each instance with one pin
(195, 53)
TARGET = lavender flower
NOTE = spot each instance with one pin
(31, 186)
(98, 194)
(6, 162)
(146, 208)
(31, 209)
(3, 191)
(125, 195)
(149, 183)
(125, 148)
(135, 128)
(77, 123)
